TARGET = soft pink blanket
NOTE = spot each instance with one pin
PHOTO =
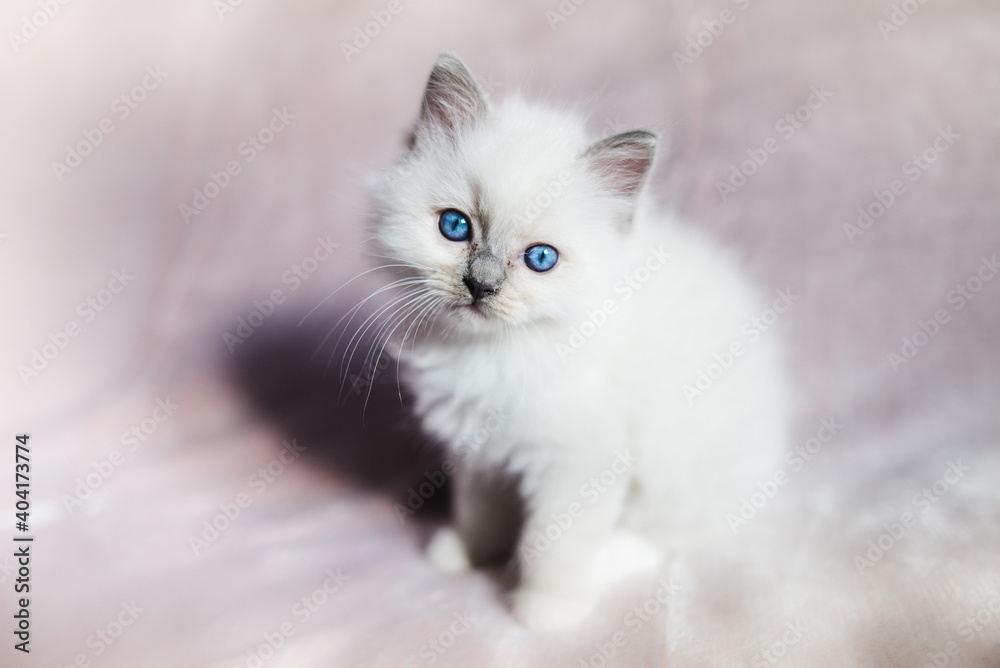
(181, 183)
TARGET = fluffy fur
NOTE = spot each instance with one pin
(570, 399)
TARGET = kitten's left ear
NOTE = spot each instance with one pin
(622, 161)
(453, 100)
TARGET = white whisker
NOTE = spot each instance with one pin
(367, 271)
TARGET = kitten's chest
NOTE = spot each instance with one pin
(497, 405)
(472, 381)
(460, 393)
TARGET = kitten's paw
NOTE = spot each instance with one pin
(447, 551)
(623, 554)
(543, 611)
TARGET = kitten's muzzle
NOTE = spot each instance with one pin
(484, 275)
(477, 289)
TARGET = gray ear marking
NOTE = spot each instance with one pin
(453, 99)
(623, 161)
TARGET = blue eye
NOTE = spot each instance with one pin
(541, 257)
(454, 225)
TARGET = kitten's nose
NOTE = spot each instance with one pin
(477, 289)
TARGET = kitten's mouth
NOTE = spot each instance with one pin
(474, 310)
(472, 313)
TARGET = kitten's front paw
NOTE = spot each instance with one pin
(447, 551)
(544, 611)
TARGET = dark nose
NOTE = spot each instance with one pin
(478, 290)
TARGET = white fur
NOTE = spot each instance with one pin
(510, 396)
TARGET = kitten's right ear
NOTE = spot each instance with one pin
(453, 101)
(622, 161)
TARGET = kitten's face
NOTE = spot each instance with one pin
(503, 216)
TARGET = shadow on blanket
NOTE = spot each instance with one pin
(361, 427)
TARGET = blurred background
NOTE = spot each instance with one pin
(182, 189)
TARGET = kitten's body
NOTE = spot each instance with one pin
(566, 388)
(516, 400)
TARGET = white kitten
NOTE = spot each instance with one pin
(575, 350)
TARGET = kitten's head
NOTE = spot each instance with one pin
(507, 214)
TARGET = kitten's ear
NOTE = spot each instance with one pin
(453, 100)
(622, 161)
